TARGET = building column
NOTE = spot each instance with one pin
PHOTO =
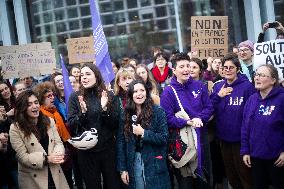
(22, 23)
(253, 19)
(7, 32)
(268, 15)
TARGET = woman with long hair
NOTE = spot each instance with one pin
(38, 147)
(46, 96)
(142, 143)
(122, 80)
(161, 71)
(262, 136)
(145, 74)
(93, 107)
(7, 98)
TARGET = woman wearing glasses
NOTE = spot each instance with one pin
(229, 98)
(262, 137)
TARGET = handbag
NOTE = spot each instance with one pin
(182, 142)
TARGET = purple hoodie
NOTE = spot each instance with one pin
(229, 109)
(194, 99)
(263, 125)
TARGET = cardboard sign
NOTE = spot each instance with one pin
(209, 36)
(28, 63)
(270, 52)
(81, 50)
(26, 47)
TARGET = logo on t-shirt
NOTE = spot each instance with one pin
(196, 93)
(236, 101)
(266, 110)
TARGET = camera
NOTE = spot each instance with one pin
(273, 25)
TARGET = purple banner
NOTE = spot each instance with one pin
(103, 61)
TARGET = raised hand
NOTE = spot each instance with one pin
(104, 100)
(82, 104)
(224, 91)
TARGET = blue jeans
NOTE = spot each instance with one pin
(139, 172)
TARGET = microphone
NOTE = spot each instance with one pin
(134, 119)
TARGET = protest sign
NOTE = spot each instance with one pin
(81, 50)
(26, 47)
(209, 36)
(28, 63)
(270, 52)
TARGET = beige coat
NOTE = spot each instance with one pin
(33, 174)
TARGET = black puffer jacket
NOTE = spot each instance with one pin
(106, 122)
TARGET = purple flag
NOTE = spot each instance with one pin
(66, 82)
(103, 61)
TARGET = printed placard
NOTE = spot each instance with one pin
(209, 36)
(81, 50)
(270, 52)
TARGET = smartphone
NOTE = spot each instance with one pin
(273, 25)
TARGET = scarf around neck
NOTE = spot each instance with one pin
(60, 125)
(157, 74)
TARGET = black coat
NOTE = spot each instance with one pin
(106, 122)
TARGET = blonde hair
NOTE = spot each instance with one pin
(121, 73)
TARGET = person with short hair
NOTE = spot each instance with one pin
(262, 136)
(228, 98)
(245, 54)
(193, 96)
(19, 87)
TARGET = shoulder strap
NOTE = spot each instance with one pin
(179, 103)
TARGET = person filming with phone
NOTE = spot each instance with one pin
(276, 25)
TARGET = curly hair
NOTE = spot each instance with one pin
(22, 118)
(145, 117)
(178, 57)
(41, 89)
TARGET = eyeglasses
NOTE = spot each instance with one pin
(244, 50)
(50, 96)
(228, 68)
(262, 75)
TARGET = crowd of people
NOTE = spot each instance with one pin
(230, 113)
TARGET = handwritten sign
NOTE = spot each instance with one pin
(81, 50)
(26, 47)
(270, 52)
(209, 36)
(28, 63)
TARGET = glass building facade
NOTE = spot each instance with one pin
(132, 27)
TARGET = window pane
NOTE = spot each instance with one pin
(145, 3)
(105, 7)
(107, 19)
(58, 3)
(83, 1)
(71, 2)
(74, 25)
(131, 4)
(61, 27)
(87, 23)
(47, 17)
(38, 31)
(35, 8)
(162, 24)
(46, 5)
(59, 15)
(85, 11)
(159, 1)
(118, 5)
(36, 20)
(133, 16)
(121, 30)
(120, 17)
(147, 16)
(161, 11)
(72, 13)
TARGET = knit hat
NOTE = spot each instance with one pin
(247, 44)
